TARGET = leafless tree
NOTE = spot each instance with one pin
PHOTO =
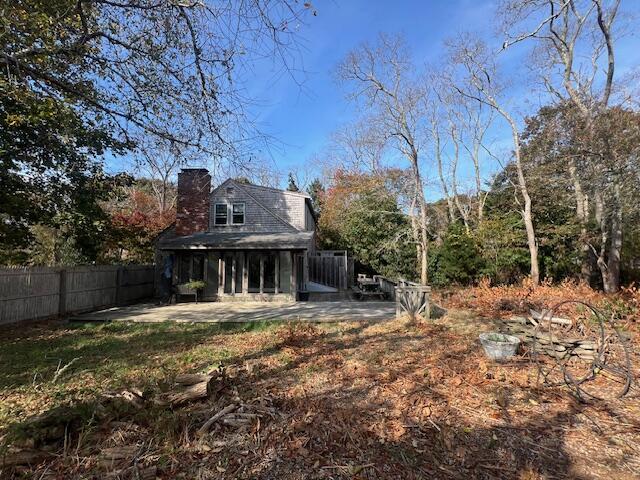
(360, 145)
(160, 161)
(435, 124)
(479, 82)
(382, 76)
(164, 68)
(565, 33)
(457, 129)
(475, 120)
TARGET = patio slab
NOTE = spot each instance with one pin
(239, 312)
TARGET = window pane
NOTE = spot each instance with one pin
(254, 272)
(221, 214)
(270, 272)
(238, 213)
(285, 272)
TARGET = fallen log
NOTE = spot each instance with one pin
(148, 473)
(197, 391)
(24, 457)
(544, 317)
(188, 379)
(207, 425)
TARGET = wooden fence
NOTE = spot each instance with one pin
(32, 293)
(333, 271)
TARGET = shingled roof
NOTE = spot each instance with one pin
(238, 241)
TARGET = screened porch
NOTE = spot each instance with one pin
(243, 274)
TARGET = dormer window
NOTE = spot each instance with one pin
(237, 216)
(220, 214)
(229, 214)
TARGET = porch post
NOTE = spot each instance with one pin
(305, 268)
(277, 290)
(245, 272)
(261, 273)
(294, 285)
(233, 275)
(221, 274)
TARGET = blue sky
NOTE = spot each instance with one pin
(303, 117)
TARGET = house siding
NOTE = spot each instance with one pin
(310, 221)
(290, 207)
(257, 217)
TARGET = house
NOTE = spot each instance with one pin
(244, 241)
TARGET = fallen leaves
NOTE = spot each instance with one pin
(357, 401)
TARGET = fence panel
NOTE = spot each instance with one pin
(28, 293)
(329, 271)
(31, 293)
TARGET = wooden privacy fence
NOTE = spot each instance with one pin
(31, 293)
(333, 271)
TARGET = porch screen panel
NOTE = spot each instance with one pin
(197, 272)
(285, 272)
(239, 269)
(228, 272)
(253, 264)
(184, 271)
(270, 272)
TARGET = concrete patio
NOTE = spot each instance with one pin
(238, 312)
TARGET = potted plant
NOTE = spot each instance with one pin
(193, 287)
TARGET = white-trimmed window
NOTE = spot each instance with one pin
(221, 214)
(237, 214)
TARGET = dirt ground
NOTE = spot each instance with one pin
(331, 401)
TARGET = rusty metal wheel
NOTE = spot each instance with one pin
(587, 353)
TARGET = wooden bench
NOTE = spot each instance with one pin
(361, 294)
(181, 291)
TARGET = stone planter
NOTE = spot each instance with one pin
(498, 346)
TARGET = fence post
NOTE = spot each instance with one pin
(62, 294)
(119, 276)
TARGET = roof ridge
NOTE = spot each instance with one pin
(288, 192)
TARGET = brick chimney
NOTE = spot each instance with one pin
(192, 213)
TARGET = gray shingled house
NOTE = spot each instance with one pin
(244, 241)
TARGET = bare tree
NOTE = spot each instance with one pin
(479, 82)
(458, 127)
(566, 32)
(435, 123)
(383, 77)
(160, 161)
(475, 120)
(360, 145)
(165, 68)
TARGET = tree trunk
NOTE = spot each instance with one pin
(531, 239)
(526, 213)
(445, 189)
(476, 169)
(611, 281)
(424, 260)
(582, 213)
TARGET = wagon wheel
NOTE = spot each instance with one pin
(588, 354)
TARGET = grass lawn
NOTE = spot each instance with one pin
(341, 400)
